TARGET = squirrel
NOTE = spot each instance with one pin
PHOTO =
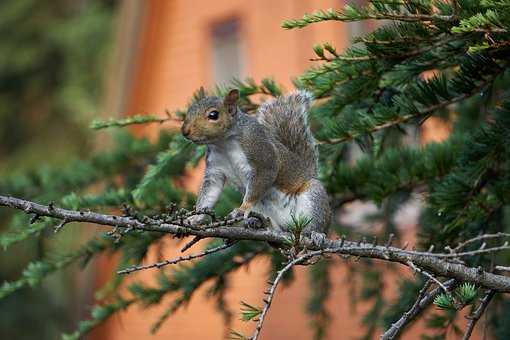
(269, 157)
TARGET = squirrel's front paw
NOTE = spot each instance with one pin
(236, 213)
(256, 220)
(251, 220)
(317, 239)
(198, 219)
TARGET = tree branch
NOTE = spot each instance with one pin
(422, 302)
(176, 260)
(408, 117)
(436, 264)
(473, 319)
(272, 290)
(429, 276)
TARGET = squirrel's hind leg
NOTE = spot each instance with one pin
(314, 204)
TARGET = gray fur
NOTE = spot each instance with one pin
(320, 213)
(246, 157)
(270, 159)
(286, 117)
(202, 104)
(211, 187)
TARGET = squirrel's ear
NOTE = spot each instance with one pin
(231, 97)
(199, 94)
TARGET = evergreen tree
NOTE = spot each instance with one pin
(448, 60)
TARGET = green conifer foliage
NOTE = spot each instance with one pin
(444, 59)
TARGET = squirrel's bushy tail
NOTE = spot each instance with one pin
(287, 118)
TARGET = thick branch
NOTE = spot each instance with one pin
(229, 232)
(432, 263)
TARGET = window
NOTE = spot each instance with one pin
(226, 52)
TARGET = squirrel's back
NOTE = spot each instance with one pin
(286, 117)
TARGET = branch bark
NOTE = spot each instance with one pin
(272, 289)
(436, 264)
(473, 319)
(422, 302)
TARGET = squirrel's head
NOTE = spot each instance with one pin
(209, 118)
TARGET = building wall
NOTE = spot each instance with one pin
(175, 54)
(173, 58)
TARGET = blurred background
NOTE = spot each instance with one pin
(66, 62)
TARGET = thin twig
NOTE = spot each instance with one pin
(428, 275)
(191, 243)
(502, 268)
(489, 30)
(422, 302)
(473, 318)
(406, 54)
(59, 226)
(409, 17)
(272, 289)
(395, 328)
(480, 238)
(405, 118)
(176, 260)
(480, 251)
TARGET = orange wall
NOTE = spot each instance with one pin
(174, 59)
(175, 50)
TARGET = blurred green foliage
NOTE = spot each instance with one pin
(53, 55)
(52, 58)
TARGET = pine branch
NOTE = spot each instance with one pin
(434, 263)
(272, 289)
(132, 120)
(354, 14)
(480, 238)
(396, 170)
(429, 276)
(99, 314)
(406, 118)
(422, 302)
(176, 260)
(490, 30)
(473, 319)
(185, 281)
(395, 55)
(37, 271)
(167, 164)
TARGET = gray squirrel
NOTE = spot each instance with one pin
(270, 158)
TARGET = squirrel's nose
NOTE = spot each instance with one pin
(185, 130)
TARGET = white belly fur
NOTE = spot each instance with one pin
(276, 205)
(231, 161)
(280, 207)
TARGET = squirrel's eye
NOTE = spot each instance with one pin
(213, 115)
